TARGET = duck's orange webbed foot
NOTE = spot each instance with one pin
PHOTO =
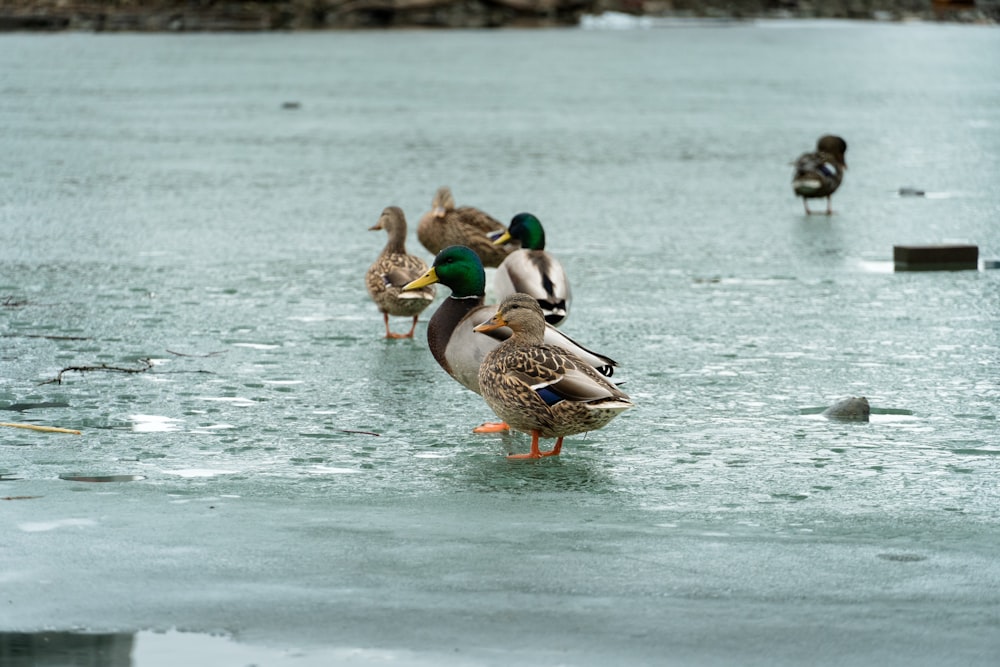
(535, 453)
(492, 427)
(391, 334)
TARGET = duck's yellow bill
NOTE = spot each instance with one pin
(428, 278)
(503, 238)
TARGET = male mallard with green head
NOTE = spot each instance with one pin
(532, 270)
(456, 347)
(447, 225)
(542, 389)
(818, 174)
(392, 270)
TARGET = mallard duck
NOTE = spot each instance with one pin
(818, 174)
(456, 347)
(445, 225)
(392, 270)
(533, 271)
(542, 389)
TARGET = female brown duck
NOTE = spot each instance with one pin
(542, 389)
(393, 269)
(447, 225)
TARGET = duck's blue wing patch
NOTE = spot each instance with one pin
(828, 169)
(549, 396)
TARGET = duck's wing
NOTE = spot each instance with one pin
(602, 364)
(556, 376)
(457, 232)
(816, 174)
(539, 275)
(476, 219)
(399, 269)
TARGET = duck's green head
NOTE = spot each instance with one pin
(527, 229)
(458, 268)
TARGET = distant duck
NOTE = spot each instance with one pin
(818, 174)
(392, 270)
(533, 271)
(457, 348)
(542, 389)
(445, 225)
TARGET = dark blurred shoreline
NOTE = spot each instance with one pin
(264, 15)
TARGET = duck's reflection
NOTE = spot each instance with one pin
(59, 649)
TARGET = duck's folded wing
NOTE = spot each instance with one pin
(817, 165)
(602, 364)
(576, 385)
(537, 274)
(401, 275)
(556, 378)
(479, 220)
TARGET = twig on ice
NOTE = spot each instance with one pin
(44, 429)
(146, 365)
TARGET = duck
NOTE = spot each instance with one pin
(445, 225)
(542, 389)
(392, 270)
(456, 347)
(818, 174)
(532, 270)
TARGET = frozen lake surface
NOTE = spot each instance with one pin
(287, 487)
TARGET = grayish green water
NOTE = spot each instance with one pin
(158, 202)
